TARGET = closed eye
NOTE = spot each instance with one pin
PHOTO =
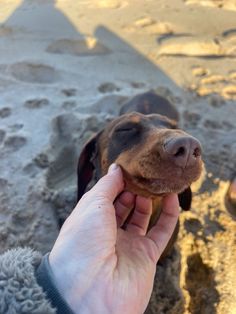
(128, 128)
(131, 129)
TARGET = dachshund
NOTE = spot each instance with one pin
(156, 157)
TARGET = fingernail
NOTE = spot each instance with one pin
(112, 168)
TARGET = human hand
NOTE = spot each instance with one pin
(101, 268)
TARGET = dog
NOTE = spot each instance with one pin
(156, 157)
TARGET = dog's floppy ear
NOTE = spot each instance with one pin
(185, 199)
(86, 165)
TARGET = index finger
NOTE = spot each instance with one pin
(106, 189)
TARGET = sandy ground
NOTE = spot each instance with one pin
(66, 67)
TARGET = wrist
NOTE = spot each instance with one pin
(82, 292)
(48, 282)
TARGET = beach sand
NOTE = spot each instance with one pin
(66, 67)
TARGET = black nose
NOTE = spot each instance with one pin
(183, 151)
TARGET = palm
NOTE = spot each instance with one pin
(128, 274)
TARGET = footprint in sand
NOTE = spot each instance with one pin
(65, 127)
(223, 4)
(227, 126)
(3, 183)
(110, 104)
(42, 160)
(2, 135)
(150, 26)
(69, 92)
(14, 143)
(31, 170)
(61, 160)
(144, 21)
(204, 90)
(137, 85)
(153, 27)
(111, 4)
(213, 79)
(212, 124)
(34, 73)
(61, 180)
(196, 47)
(108, 88)
(199, 71)
(229, 92)
(89, 46)
(63, 169)
(36, 103)
(69, 105)
(15, 127)
(216, 101)
(217, 84)
(191, 119)
(5, 112)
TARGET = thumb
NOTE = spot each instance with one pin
(110, 185)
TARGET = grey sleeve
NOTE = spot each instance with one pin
(45, 278)
(19, 290)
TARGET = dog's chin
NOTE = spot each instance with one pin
(160, 187)
(157, 187)
(154, 187)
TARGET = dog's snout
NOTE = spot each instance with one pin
(183, 151)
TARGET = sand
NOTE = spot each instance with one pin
(66, 67)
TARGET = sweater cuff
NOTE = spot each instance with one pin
(46, 280)
(19, 290)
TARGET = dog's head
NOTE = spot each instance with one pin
(156, 157)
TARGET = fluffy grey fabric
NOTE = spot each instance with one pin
(19, 291)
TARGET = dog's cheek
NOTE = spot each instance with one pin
(118, 147)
